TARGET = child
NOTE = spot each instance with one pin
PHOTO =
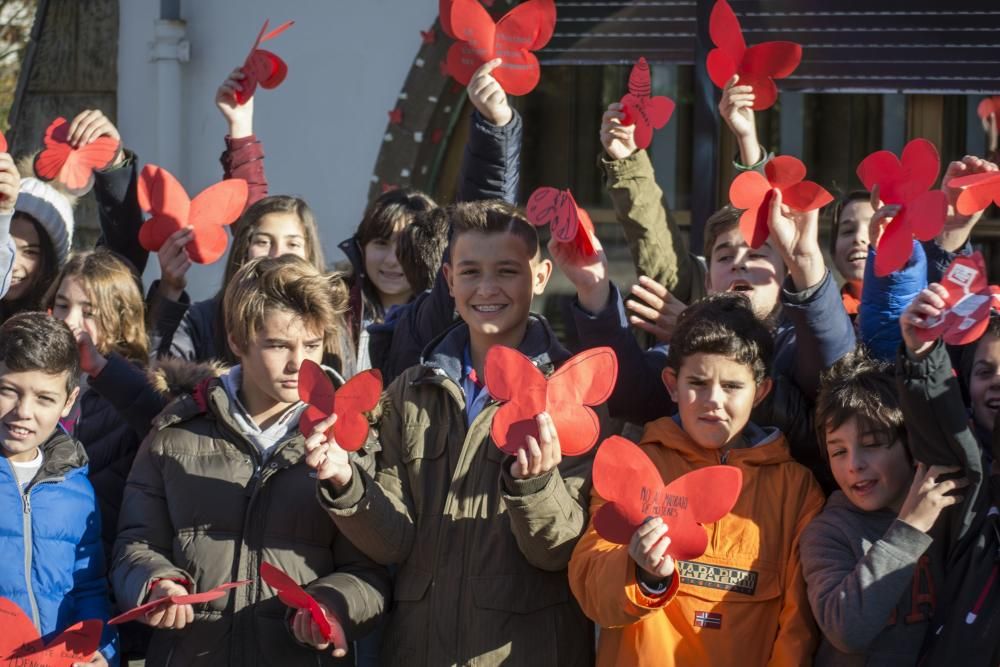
(849, 244)
(222, 486)
(744, 600)
(871, 564)
(979, 370)
(481, 539)
(53, 565)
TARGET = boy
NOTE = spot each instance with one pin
(743, 601)
(221, 486)
(868, 559)
(481, 539)
(53, 562)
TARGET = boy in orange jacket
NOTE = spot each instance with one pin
(744, 600)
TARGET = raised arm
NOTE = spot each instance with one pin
(10, 184)
(244, 154)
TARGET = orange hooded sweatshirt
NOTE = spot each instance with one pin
(742, 602)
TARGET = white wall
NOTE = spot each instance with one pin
(321, 129)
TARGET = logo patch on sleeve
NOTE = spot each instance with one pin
(707, 619)
(718, 577)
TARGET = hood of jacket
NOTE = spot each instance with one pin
(765, 446)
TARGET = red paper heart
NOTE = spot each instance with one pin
(568, 222)
(905, 182)
(752, 192)
(357, 396)
(987, 106)
(20, 644)
(194, 598)
(526, 28)
(262, 67)
(645, 112)
(757, 66)
(978, 191)
(631, 484)
(72, 167)
(967, 308)
(584, 381)
(162, 195)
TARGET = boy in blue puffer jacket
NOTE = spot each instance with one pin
(50, 529)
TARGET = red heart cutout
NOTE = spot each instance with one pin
(568, 222)
(20, 644)
(262, 67)
(72, 167)
(967, 308)
(978, 191)
(987, 106)
(645, 112)
(357, 396)
(194, 598)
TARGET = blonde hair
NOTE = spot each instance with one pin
(113, 290)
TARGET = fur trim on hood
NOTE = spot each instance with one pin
(173, 377)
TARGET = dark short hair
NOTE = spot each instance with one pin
(34, 341)
(390, 210)
(838, 210)
(421, 248)
(723, 324)
(864, 388)
(720, 222)
(493, 217)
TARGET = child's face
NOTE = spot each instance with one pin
(493, 280)
(714, 397)
(383, 267)
(274, 355)
(736, 267)
(31, 405)
(278, 234)
(27, 258)
(72, 305)
(984, 382)
(873, 475)
(851, 248)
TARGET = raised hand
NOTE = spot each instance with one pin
(736, 109)
(618, 140)
(589, 275)
(488, 96)
(91, 124)
(326, 457)
(10, 184)
(238, 116)
(654, 309)
(174, 264)
(795, 236)
(928, 496)
(922, 313)
(957, 227)
(541, 455)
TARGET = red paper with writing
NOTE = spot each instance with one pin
(20, 645)
(645, 111)
(568, 222)
(970, 297)
(72, 167)
(262, 67)
(356, 397)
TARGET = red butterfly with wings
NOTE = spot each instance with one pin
(73, 167)
(262, 67)
(569, 223)
(978, 191)
(21, 645)
(357, 396)
(646, 112)
(294, 596)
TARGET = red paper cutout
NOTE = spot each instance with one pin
(194, 598)
(355, 397)
(967, 308)
(646, 112)
(757, 66)
(21, 646)
(906, 182)
(262, 67)
(428, 36)
(978, 191)
(294, 596)
(396, 116)
(526, 28)
(634, 490)
(72, 167)
(162, 195)
(753, 192)
(987, 106)
(584, 381)
(3, 143)
(569, 223)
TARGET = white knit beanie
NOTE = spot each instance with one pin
(51, 209)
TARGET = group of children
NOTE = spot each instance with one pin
(153, 446)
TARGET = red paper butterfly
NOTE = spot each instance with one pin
(161, 195)
(987, 106)
(292, 595)
(357, 396)
(72, 167)
(634, 490)
(753, 192)
(978, 191)
(194, 598)
(569, 223)
(905, 182)
(21, 645)
(584, 381)
(967, 308)
(757, 66)
(647, 113)
(3, 143)
(263, 67)
(526, 28)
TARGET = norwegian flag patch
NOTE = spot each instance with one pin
(707, 619)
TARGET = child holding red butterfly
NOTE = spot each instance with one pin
(744, 600)
(222, 486)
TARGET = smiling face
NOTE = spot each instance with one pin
(31, 405)
(872, 473)
(277, 234)
(984, 381)
(736, 267)
(28, 262)
(851, 245)
(384, 270)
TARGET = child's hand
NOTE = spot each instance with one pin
(326, 457)
(736, 108)
(957, 227)
(307, 632)
(174, 264)
(173, 616)
(589, 275)
(92, 362)
(655, 310)
(648, 549)
(884, 213)
(922, 313)
(92, 124)
(928, 496)
(795, 236)
(618, 140)
(488, 96)
(541, 455)
(10, 184)
(97, 660)
(238, 116)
